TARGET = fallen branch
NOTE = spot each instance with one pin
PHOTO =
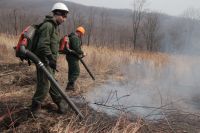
(108, 106)
(134, 106)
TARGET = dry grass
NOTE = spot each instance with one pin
(100, 59)
(121, 125)
(103, 62)
(7, 42)
(104, 59)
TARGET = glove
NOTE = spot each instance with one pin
(84, 54)
(52, 62)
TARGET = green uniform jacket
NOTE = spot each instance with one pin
(47, 44)
(75, 43)
(48, 41)
(73, 62)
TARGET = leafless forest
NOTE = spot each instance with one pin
(137, 29)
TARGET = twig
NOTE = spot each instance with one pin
(108, 97)
(6, 115)
(118, 100)
(107, 106)
(122, 109)
(121, 97)
(168, 123)
(6, 74)
(161, 108)
(10, 116)
(149, 107)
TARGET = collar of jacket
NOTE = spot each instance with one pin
(51, 18)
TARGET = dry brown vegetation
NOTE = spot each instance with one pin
(18, 83)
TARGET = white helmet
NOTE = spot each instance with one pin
(60, 6)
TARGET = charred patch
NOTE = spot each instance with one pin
(16, 74)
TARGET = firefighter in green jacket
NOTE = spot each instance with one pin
(47, 50)
(73, 62)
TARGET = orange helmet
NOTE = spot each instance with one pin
(81, 30)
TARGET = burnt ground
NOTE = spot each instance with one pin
(17, 84)
(17, 87)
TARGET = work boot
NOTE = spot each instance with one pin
(70, 86)
(35, 109)
(62, 107)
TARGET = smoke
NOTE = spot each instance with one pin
(147, 90)
(181, 35)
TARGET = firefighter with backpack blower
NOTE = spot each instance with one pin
(47, 47)
(75, 40)
(70, 45)
(40, 44)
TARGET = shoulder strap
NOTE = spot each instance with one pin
(54, 27)
(45, 22)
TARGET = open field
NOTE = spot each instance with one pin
(17, 85)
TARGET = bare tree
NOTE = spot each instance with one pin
(192, 13)
(90, 25)
(77, 18)
(191, 19)
(138, 8)
(104, 20)
(15, 21)
(124, 35)
(150, 31)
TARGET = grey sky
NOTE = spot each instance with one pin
(171, 7)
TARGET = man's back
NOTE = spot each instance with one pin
(48, 41)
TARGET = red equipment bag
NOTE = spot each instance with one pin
(64, 44)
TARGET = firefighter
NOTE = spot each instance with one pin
(75, 40)
(47, 51)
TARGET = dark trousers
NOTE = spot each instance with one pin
(44, 86)
(73, 69)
